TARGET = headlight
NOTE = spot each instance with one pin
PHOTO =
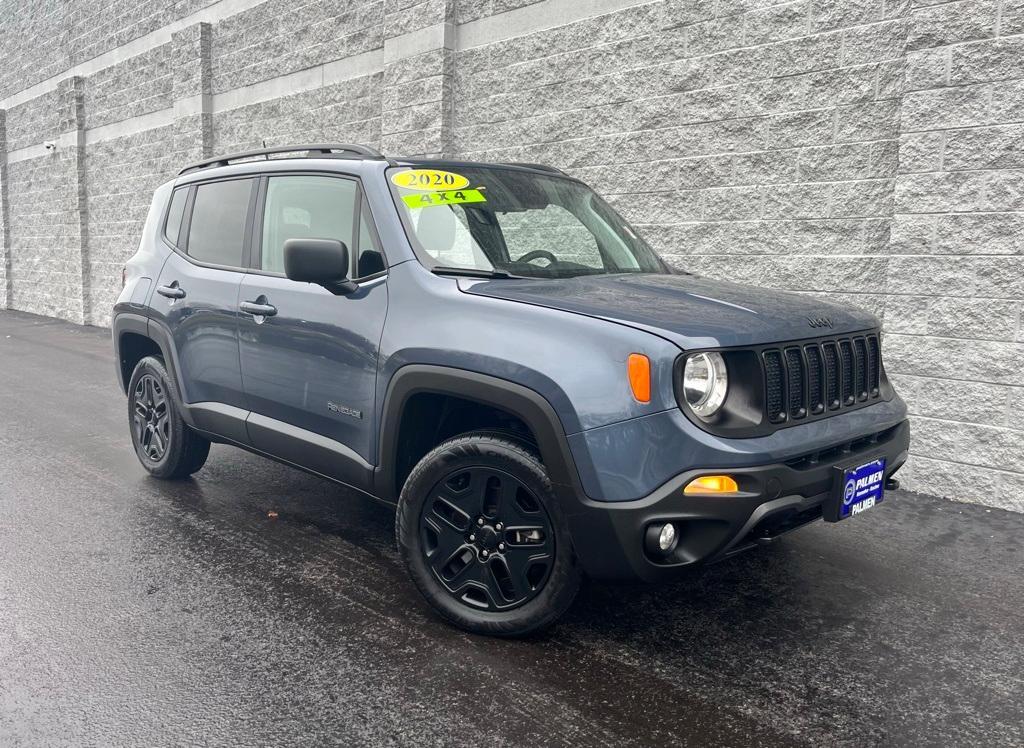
(705, 382)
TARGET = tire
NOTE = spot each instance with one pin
(164, 444)
(484, 539)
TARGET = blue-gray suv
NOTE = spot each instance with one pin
(494, 350)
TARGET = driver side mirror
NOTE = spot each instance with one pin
(320, 261)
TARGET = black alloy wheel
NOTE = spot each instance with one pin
(150, 417)
(486, 538)
(166, 446)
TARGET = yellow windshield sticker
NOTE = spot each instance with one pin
(448, 197)
(429, 179)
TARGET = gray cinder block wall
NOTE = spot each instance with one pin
(863, 150)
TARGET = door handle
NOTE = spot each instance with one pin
(258, 308)
(172, 291)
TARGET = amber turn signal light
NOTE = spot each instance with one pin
(711, 484)
(639, 368)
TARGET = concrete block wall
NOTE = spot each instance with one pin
(956, 327)
(279, 37)
(339, 113)
(471, 10)
(120, 176)
(93, 27)
(140, 85)
(43, 39)
(44, 196)
(34, 43)
(192, 92)
(5, 255)
(864, 150)
(34, 121)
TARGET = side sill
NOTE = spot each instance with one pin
(222, 420)
(310, 450)
(217, 438)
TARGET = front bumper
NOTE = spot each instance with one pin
(774, 499)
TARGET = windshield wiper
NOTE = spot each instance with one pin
(473, 272)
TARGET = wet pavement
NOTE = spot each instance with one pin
(139, 612)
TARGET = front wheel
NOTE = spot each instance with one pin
(164, 443)
(484, 539)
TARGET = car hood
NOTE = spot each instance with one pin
(691, 311)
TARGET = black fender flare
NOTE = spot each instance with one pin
(130, 322)
(521, 401)
(126, 322)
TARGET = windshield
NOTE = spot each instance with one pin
(485, 218)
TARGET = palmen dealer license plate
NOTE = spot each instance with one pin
(858, 489)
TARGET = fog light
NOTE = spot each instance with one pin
(667, 538)
(661, 540)
(711, 484)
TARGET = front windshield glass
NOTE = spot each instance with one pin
(484, 218)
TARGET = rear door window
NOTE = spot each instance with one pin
(216, 232)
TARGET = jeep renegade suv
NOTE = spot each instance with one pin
(493, 349)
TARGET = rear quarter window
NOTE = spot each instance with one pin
(174, 215)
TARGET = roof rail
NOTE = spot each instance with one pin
(311, 151)
(541, 167)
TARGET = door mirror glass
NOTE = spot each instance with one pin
(320, 261)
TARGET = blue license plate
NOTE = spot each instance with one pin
(860, 488)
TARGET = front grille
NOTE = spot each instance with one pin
(797, 396)
(815, 389)
(873, 358)
(773, 392)
(805, 380)
(846, 372)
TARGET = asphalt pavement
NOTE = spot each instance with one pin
(140, 612)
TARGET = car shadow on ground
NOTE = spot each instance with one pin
(753, 586)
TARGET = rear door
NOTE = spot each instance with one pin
(196, 299)
(310, 368)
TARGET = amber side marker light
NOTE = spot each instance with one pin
(711, 484)
(639, 368)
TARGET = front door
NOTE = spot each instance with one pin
(309, 368)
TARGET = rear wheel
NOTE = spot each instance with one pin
(164, 443)
(484, 539)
